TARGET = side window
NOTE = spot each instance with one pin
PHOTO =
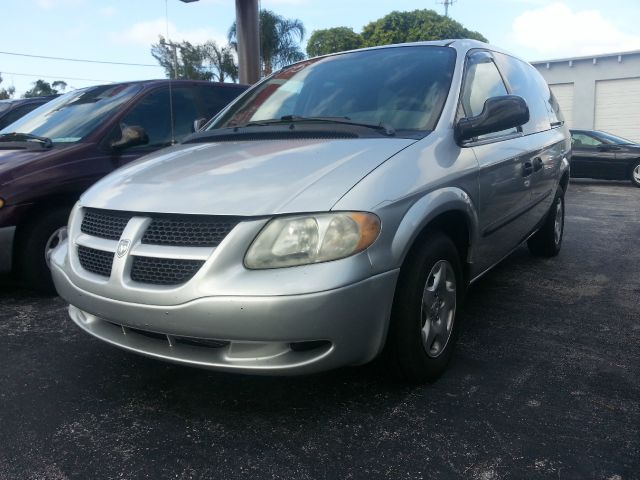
(580, 139)
(152, 113)
(526, 82)
(215, 99)
(185, 111)
(555, 114)
(17, 113)
(482, 81)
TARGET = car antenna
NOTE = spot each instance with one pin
(175, 70)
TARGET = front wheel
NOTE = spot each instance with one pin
(547, 241)
(635, 174)
(35, 242)
(423, 327)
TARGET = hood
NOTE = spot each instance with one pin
(12, 161)
(245, 178)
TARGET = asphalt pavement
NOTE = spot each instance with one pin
(544, 384)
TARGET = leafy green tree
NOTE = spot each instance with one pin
(221, 61)
(6, 93)
(418, 25)
(279, 40)
(181, 60)
(195, 62)
(330, 40)
(42, 88)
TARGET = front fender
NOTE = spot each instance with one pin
(426, 210)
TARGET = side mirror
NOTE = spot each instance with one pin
(198, 124)
(498, 113)
(131, 136)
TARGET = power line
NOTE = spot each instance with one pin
(80, 60)
(58, 77)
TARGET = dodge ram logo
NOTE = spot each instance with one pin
(123, 248)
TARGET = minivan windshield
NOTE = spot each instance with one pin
(75, 115)
(404, 88)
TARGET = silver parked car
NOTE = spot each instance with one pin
(334, 212)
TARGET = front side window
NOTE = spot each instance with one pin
(154, 113)
(73, 116)
(402, 87)
(482, 81)
(581, 139)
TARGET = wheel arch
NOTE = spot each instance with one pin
(38, 208)
(448, 210)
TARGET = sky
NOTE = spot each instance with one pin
(124, 30)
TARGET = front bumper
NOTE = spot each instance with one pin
(251, 334)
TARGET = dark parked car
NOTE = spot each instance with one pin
(51, 155)
(12, 110)
(599, 154)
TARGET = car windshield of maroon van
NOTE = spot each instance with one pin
(73, 116)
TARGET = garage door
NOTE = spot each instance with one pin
(564, 94)
(618, 107)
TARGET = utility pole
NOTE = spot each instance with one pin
(248, 35)
(446, 4)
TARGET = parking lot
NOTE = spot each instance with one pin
(544, 384)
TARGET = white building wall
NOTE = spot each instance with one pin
(585, 73)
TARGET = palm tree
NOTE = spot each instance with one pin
(279, 40)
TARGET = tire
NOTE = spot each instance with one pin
(423, 328)
(547, 241)
(635, 174)
(34, 238)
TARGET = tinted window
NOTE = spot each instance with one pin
(153, 113)
(579, 139)
(73, 116)
(404, 87)
(215, 99)
(524, 80)
(17, 113)
(482, 81)
(608, 138)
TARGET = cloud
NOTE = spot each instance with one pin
(556, 31)
(147, 33)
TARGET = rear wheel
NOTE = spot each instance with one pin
(423, 327)
(547, 241)
(35, 242)
(635, 174)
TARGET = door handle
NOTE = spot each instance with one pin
(527, 169)
(537, 164)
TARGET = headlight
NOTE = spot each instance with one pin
(302, 240)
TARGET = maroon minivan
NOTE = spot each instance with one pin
(51, 155)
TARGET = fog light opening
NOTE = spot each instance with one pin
(310, 345)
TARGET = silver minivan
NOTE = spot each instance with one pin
(334, 212)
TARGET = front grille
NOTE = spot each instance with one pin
(95, 261)
(163, 271)
(104, 223)
(185, 231)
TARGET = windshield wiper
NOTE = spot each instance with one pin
(25, 137)
(385, 128)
